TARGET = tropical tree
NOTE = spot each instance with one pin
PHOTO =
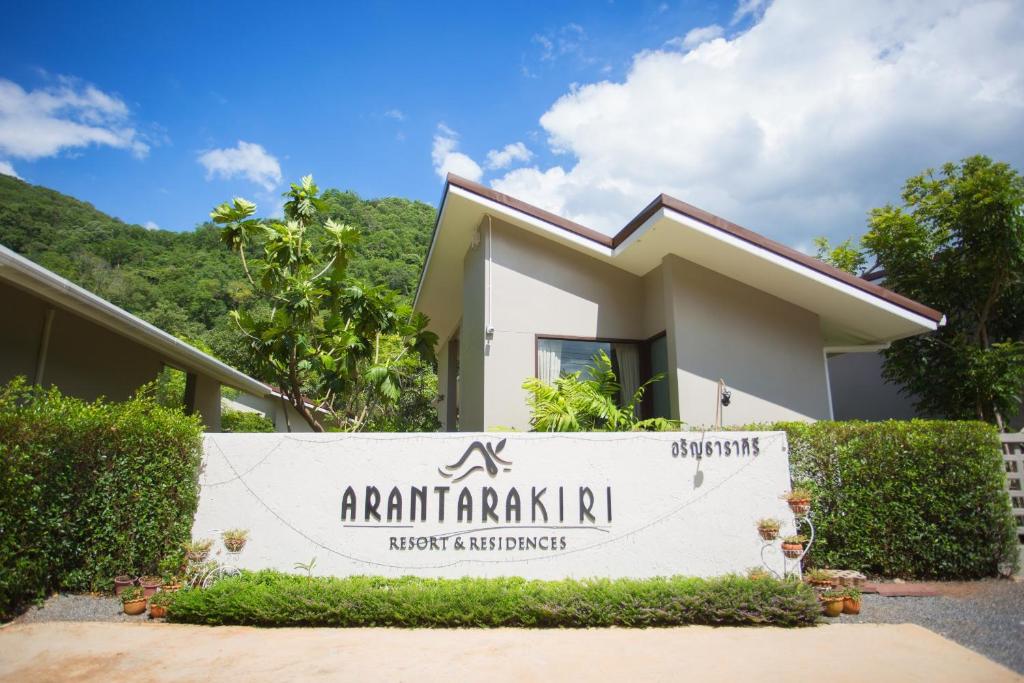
(318, 333)
(574, 404)
(957, 244)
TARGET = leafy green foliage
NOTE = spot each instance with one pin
(241, 421)
(187, 282)
(916, 499)
(573, 404)
(311, 328)
(957, 245)
(89, 490)
(269, 598)
(844, 256)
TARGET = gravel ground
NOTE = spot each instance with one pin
(986, 616)
(68, 607)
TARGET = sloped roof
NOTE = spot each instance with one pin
(853, 310)
(47, 285)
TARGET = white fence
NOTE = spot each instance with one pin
(533, 505)
(1013, 458)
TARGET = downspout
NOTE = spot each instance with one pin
(828, 386)
(44, 347)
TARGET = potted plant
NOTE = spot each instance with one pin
(150, 584)
(121, 582)
(758, 574)
(799, 500)
(793, 546)
(133, 601)
(851, 600)
(832, 603)
(819, 578)
(171, 583)
(768, 528)
(198, 551)
(159, 603)
(234, 539)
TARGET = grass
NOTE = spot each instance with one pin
(269, 598)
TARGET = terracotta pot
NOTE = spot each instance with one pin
(171, 587)
(198, 556)
(822, 584)
(135, 606)
(768, 534)
(832, 607)
(234, 545)
(157, 611)
(851, 606)
(122, 582)
(800, 506)
(150, 585)
(792, 550)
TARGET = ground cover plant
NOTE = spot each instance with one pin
(270, 598)
(917, 499)
(89, 491)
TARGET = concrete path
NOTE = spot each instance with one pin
(167, 652)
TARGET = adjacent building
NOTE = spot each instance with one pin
(53, 332)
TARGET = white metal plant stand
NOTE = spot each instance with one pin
(790, 565)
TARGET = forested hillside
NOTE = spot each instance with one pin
(186, 282)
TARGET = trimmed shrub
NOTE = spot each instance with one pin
(89, 490)
(918, 499)
(270, 598)
(239, 421)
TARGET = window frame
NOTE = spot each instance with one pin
(643, 345)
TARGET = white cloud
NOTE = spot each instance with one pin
(797, 126)
(395, 114)
(150, 225)
(503, 158)
(448, 160)
(695, 37)
(246, 159)
(567, 40)
(746, 8)
(68, 115)
(7, 169)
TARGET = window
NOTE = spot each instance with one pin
(632, 361)
(557, 357)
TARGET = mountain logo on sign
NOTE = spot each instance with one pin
(488, 453)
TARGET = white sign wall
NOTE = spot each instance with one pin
(474, 504)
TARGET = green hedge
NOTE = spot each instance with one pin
(239, 421)
(917, 499)
(89, 490)
(269, 598)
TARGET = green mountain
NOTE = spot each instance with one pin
(186, 282)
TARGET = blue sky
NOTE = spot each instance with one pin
(793, 119)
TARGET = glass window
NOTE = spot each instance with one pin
(557, 357)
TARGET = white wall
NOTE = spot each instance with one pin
(539, 287)
(768, 351)
(472, 342)
(671, 513)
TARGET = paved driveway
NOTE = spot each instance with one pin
(167, 652)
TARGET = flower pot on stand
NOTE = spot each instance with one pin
(792, 550)
(768, 529)
(799, 501)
